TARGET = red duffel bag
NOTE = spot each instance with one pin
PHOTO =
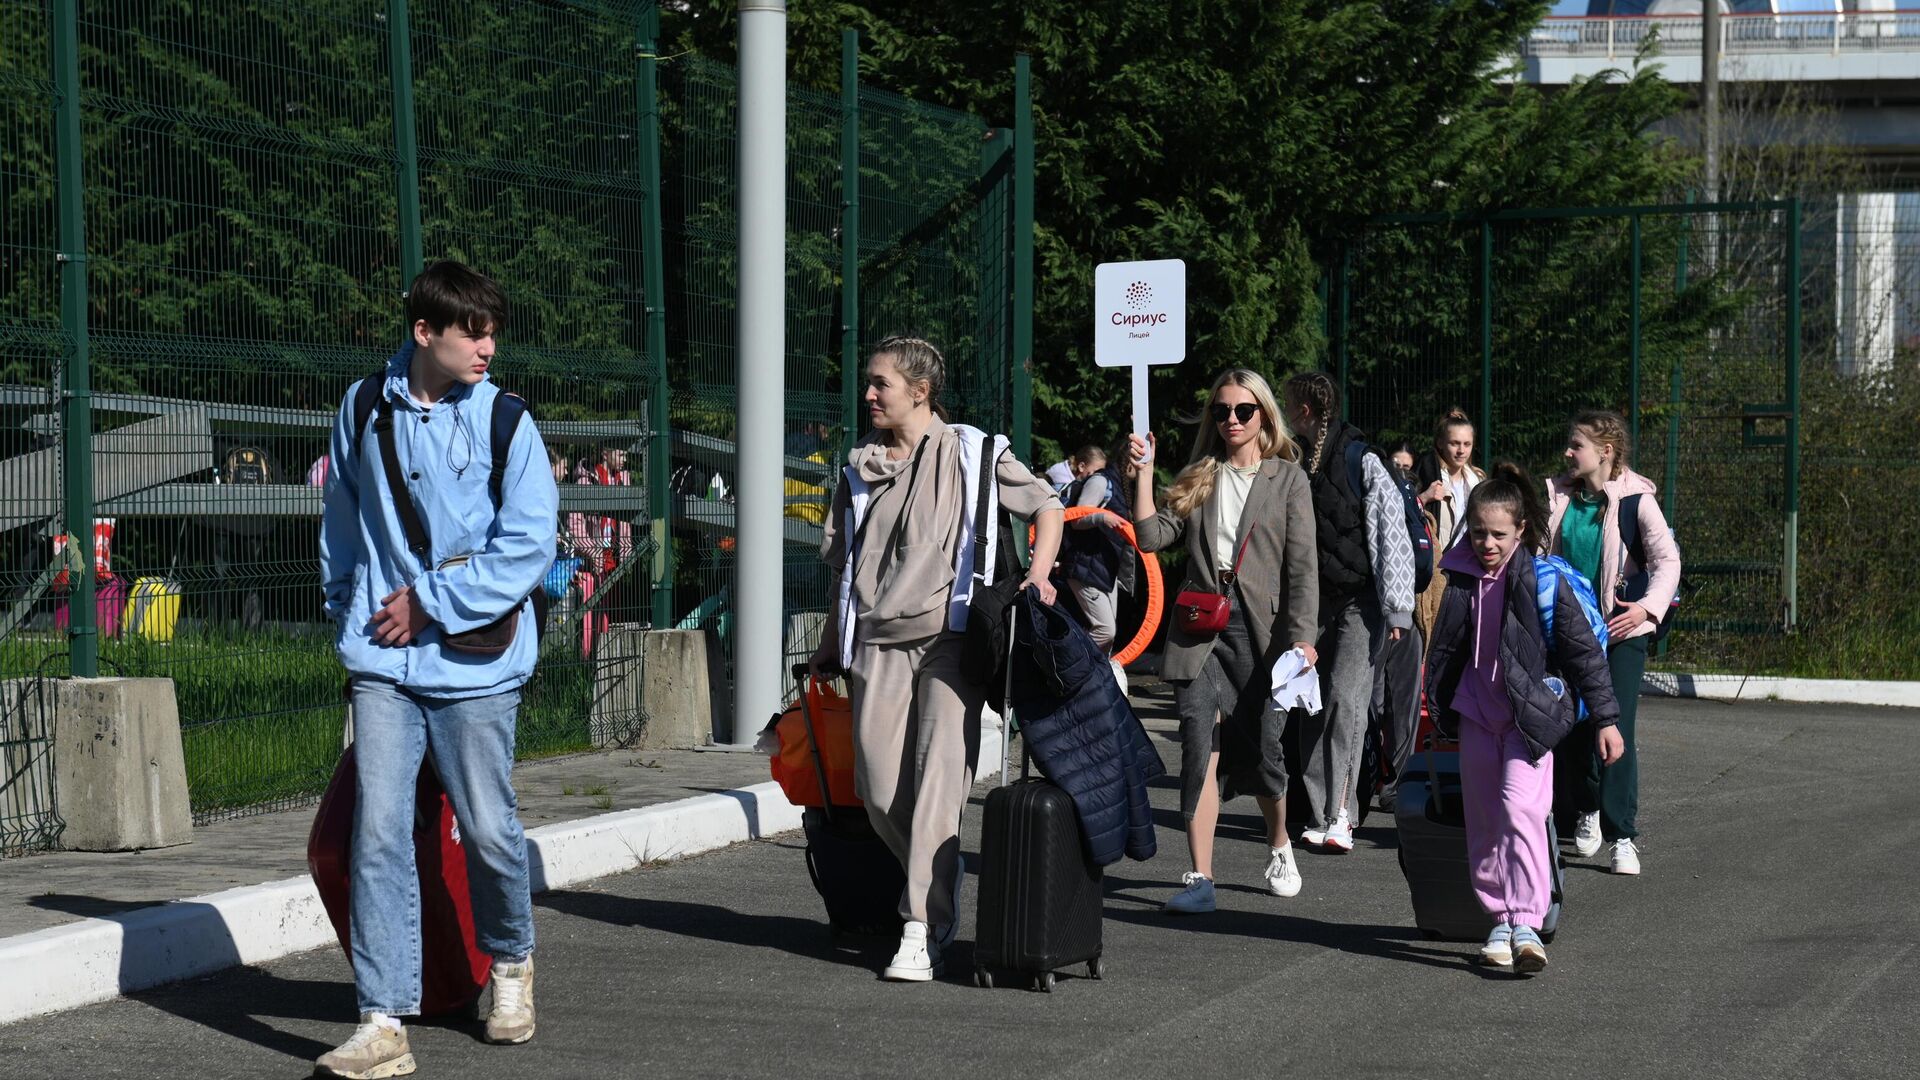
(453, 970)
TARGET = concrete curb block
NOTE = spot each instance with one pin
(1767, 687)
(96, 960)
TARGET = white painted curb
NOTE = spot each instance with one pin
(1770, 688)
(97, 960)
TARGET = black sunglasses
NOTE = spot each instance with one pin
(1245, 412)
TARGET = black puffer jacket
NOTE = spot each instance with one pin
(1081, 731)
(1525, 663)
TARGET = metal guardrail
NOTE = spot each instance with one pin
(1620, 37)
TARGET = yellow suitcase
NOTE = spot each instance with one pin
(153, 607)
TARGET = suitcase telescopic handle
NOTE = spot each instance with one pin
(801, 676)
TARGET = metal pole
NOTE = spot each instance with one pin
(850, 374)
(653, 270)
(1486, 345)
(761, 359)
(1346, 323)
(1633, 347)
(83, 642)
(994, 235)
(1710, 113)
(406, 146)
(1022, 433)
(1790, 578)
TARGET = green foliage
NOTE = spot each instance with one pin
(1250, 139)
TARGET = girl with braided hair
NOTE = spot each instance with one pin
(1366, 599)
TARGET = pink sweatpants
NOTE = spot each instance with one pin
(1507, 799)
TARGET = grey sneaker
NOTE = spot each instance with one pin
(511, 1019)
(373, 1052)
(1529, 955)
(1195, 899)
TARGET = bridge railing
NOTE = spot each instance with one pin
(1618, 37)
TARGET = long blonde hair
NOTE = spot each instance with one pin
(1194, 486)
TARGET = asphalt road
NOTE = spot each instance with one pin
(1773, 934)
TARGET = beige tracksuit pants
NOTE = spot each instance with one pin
(916, 730)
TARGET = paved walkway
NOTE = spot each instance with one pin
(1773, 934)
(39, 891)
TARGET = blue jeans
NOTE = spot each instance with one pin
(471, 740)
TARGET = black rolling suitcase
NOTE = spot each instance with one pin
(1040, 893)
(852, 869)
(1433, 852)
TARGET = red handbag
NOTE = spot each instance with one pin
(1204, 614)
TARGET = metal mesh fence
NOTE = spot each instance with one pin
(259, 183)
(1763, 354)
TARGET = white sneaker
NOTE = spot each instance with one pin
(377, 1050)
(1586, 837)
(1315, 836)
(1626, 857)
(1283, 877)
(918, 959)
(511, 1021)
(1340, 834)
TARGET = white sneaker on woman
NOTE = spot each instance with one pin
(918, 959)
(1626, 857)
(1283, 877)
(1586, 837)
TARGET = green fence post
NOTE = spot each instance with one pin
(83, 642)
(1633, 329)
(1790, 578)
(1022, 258)
(1486, 345)
(1671, 488)
(406, 147)
(994, 238)
(653, 268)
(850, 381)
(1346, 324)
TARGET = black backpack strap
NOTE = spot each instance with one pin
(980, 523)
(366, 394)
(1630, 529)
(507, 411)
(416, 529)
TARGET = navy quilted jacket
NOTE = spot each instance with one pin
(1081, 731)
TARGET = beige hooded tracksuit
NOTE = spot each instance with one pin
(916, 716)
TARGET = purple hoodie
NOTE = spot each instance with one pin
(1481, 696)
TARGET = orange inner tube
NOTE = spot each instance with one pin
(1156, 589)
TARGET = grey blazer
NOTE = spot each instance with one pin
(1279, 576)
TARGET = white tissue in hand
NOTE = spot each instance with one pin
(1296, 685)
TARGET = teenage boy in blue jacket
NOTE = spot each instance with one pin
(413, 695)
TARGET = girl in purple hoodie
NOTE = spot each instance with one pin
(1508, 694)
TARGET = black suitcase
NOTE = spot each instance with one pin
(1433, 852)
(1040, 895)
(852, 869)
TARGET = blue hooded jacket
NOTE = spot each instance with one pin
(445, 455)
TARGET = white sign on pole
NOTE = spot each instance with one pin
(1140, 319)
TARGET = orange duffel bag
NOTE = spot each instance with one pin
(798, 763)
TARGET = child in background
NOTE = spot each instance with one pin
(1503, 690)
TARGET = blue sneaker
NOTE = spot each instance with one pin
(1195, 899)
(1529, 954)
(1498, 951)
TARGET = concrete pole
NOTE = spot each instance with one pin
(758, 681)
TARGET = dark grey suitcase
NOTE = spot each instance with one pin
(1433, 852)
(1040, 895)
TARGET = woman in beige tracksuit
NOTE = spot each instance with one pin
(916, 713)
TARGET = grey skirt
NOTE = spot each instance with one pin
(1229, 708)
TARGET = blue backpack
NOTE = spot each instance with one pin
(1547, 572)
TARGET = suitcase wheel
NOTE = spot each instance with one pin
(1043, 982)
(983, 978)
(1095, 969)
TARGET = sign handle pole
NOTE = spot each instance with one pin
(1140, 400)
